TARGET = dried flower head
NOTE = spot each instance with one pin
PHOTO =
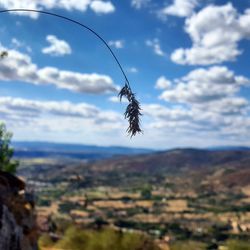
(133, 110)
(3, 54)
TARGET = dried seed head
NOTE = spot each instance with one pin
(3, 54)
(133, 110)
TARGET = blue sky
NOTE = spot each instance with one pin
(187, 60)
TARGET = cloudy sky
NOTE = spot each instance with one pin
(187, 60)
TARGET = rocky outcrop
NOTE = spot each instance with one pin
(10, 232)
(17, 215)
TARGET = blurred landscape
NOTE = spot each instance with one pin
(141, 199)
(168, 82)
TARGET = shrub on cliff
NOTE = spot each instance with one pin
(6, 152)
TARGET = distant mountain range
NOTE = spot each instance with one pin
(178, 159)
(37, 149)
(241, 148)
(78, 151)
(233, 165)
(114, 161)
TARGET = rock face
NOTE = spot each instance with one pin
(10, 232)
(17, 215)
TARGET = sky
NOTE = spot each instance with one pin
(186, 60)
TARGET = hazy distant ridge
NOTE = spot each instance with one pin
(78, 151)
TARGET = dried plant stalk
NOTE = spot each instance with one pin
(3, 54)
(133, 110)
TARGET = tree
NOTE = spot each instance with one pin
(146, 192)
(6, 152)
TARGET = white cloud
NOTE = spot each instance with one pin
(97, 6)
(228, 106)
(16, 42)
(210, 105)
(155, 45)
(161, 112)
(133, 70)
(81, 122)
(224, 122)
(76, 82)
(19, 109)
(57, 47)
(215, 32)
(162, 83)
(180, 8)
(138, 4)
(163, 126)
(205, 85)
(116, 99)
(118, 44)
(102, 7)
(205, 56)
(19, 67)
(33, 108)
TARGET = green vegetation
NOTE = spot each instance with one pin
(192, 245)
(45, 241)
(66, 207)
(6, 152)
(238, 245)
(146, 192)
(106, 239)
(188, 245)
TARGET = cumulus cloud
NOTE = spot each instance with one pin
(101, 7)
(33, 119)
(82, 122)
(19, 67)
(33, 108)
(57, 47)
(20, 109)
(228, 106)
(98, 6)
(118, 44)
(205, 56)
(180, 8)
(215, 32)
(209, 105)
(162, 113)
(76, 82)
(205, 124)
(162, 83)
(155, 45)
(205, 85)
(116, 99)
(172, 120)
(138, 4)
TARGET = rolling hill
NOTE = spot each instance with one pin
(178, 159)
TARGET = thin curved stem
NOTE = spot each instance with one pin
(78, 23)
(132, 112)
